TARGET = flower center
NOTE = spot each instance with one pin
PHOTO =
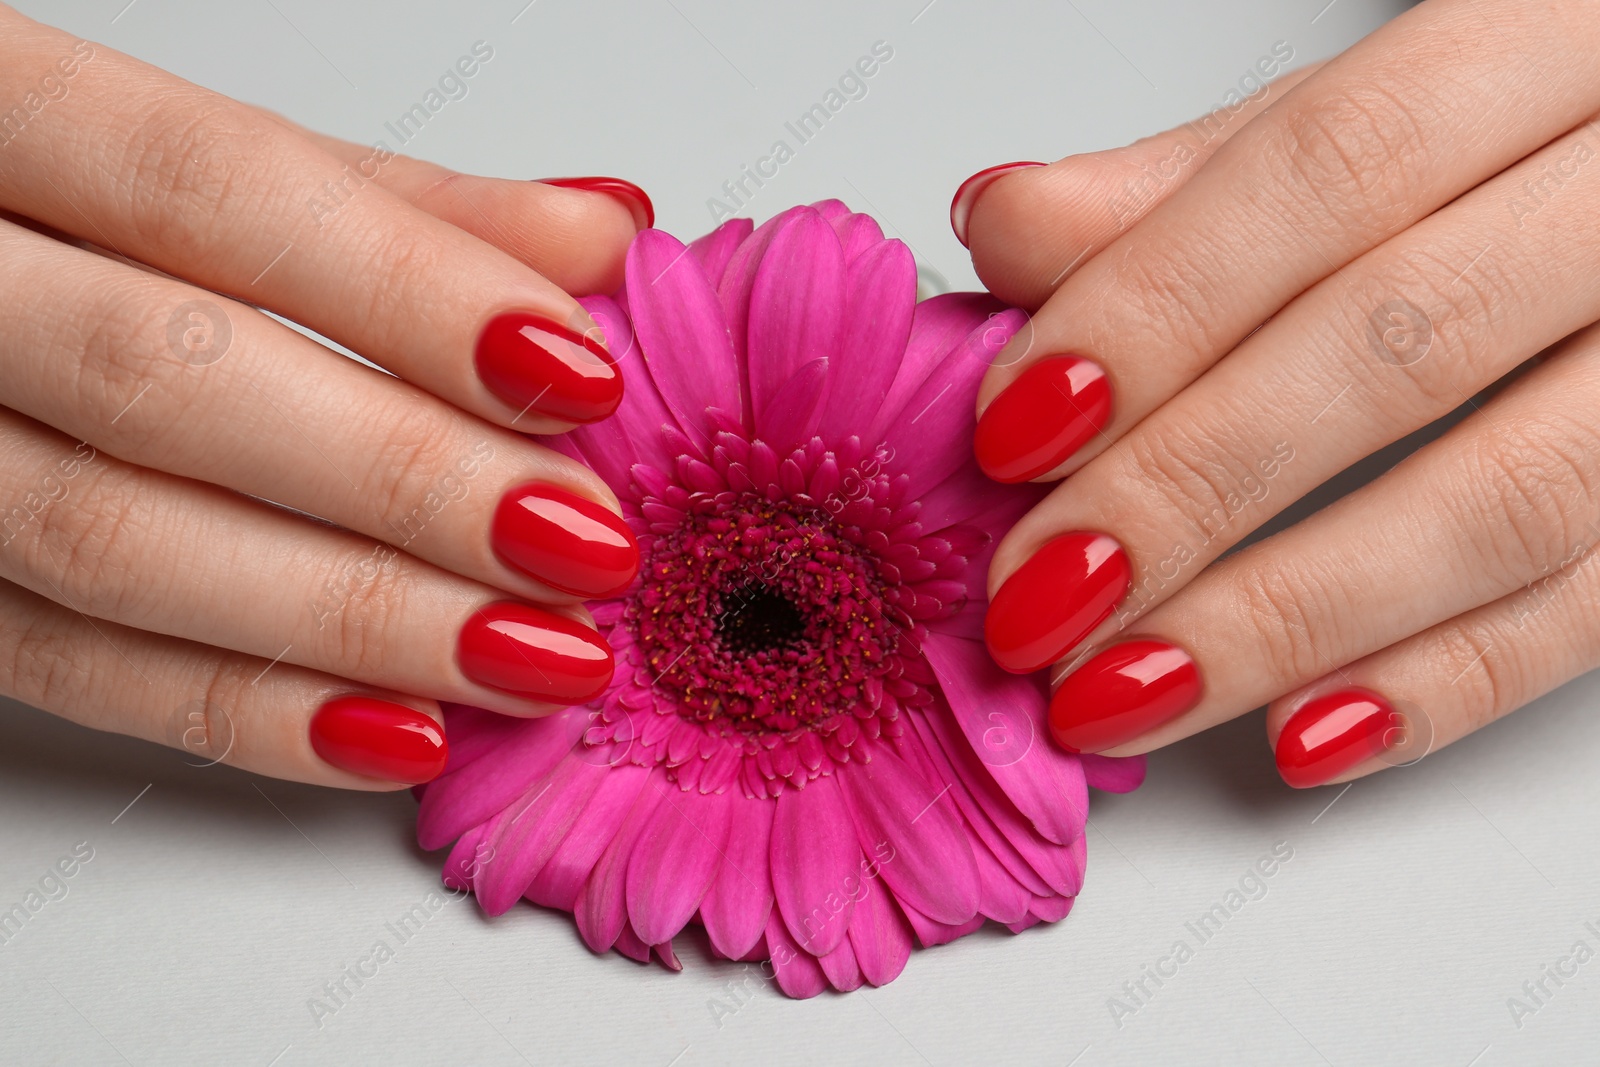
(762, 616)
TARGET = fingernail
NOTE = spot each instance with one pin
(379, 739)
(566, 541)
(1334, 732)
(532, 653)
(1123, 692)
(967, 195)
(536, 364)
(1065, 589)
(634, 198)
(1053, 409)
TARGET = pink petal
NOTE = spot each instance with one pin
(831, 209)
(791, 417)
(814, 859)
(880, 298)
(716, 248)
(523, 837)
(1114, 774)
(1003, 718)
(795, 309)
(1000, 897)
(858, 235)
(474, 733)
(931, 865)
(736, 907)
(841, 968)
(938, 325)
(798, 973)
(633, 432)
(930, 932)
(675, 860)
(601, 908)
(558, 881)
(880, 936)
(632, 945)
(669, 958)
(466, 859)
(932, 435)
(681, 328)
(457, 801)
(1051, 909)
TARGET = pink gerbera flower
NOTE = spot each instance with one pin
(805, 747)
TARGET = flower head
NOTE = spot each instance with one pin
(805, 747)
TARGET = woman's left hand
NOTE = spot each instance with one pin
(1252, 303)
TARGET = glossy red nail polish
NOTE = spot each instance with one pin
(1334, 732)
(378, 739)
(566, 541)
(1124, 691)
(536, 364)
(1065, 589)
(1053, 409)
(533, 653)
(633, 197)
(967, 194)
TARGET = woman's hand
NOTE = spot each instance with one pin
(164, 443)
(1238, 310)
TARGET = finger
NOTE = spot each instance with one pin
(552, 225)
(1350, 157)
(148, 550)
(1029, 232)
(155, 373)
(215, 706)
(196, 185)
(1418, 695)
(1499, 501)
(1312, 392)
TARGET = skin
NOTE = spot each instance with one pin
(1231, 308)
(148, 588)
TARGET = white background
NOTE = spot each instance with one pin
(218, 904)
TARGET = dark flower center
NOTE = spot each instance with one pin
(756, 619)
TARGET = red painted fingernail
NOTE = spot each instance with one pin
(1334, 732)
(1053, 409)
(1052, 602)
(533, 653)
(635, 198)
(536, 364)
(1122, 692)
(564, 540)
(967, 195)
(378, 739)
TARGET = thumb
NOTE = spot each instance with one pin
(1029, 226)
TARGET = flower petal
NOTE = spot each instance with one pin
(524, 836)
(814, 859)
(676, 860)
(716, 248)
(558, 881)
(932, 435)
(455, 802)
(1003, 718)
(931, 865)
(1114, 774)
(938, 325)
(796, 309)
(681, 328)
(880, 936)
(1000, 897)
(841, 968)
(791, 417)
(931, 932)
(880, 300)
(736, 907)
(601, 908)
(798, 973)
(633, 432)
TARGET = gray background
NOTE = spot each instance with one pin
(217, 904)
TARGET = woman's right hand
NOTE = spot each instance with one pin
(150, 410)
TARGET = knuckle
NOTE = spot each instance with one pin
(188, 163)
(89, 543)
(1290, 612)
(360, 626)
(1535, 481)
(45, 664)
(1485, 677)
(1164, 297)
(226, 684)
(1205, 495)
(411, 468)
(1352, 151)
